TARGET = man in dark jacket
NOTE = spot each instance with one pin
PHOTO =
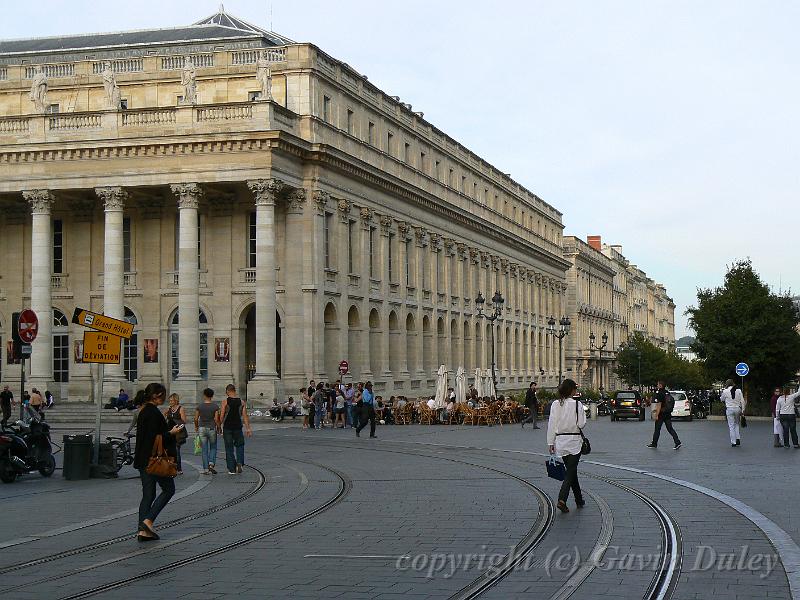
(533, 405)
(665, 403)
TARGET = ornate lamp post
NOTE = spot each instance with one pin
(593, 347)
(497, 311)
(563, 331)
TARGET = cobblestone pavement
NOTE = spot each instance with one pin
(423, 512)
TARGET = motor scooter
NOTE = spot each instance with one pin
(24, 448)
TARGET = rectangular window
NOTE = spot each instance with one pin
(349, 121)
(407, 248)
(437, 170)
(253, 96)
(58, 246)
(251, 240)
(327, 239)
(130, 360)
(174, 354)
(351, 226)
(421, 165)
(389, 137)
(372, 252)
(463, 184)
(61, 358)
(204, 355)
(451, 180)
(391, 257)
(126, 244)
(407, 153)
(326, 109)
(52, 109)
(475, 190)
(371, 133)
(123, 104)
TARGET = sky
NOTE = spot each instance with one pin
(671, 128)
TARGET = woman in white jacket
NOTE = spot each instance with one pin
(785, 408)
(734, 408)
(567, 418)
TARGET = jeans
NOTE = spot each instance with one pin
(348, 415)
(234, 442)
(734, 416)
(208, 441)
(666, 422)
(571, 479)
(319, 416)
(789, 424)
(150, 506)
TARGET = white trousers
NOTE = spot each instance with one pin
(777, 429)
(734, 416)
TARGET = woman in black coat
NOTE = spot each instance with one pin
(149, 424)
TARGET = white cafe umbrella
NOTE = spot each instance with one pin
(489, 391)
(461, 385)
(479, 382)
(441, 387)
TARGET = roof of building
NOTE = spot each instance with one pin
(218, 26)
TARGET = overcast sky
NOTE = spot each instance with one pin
(670, 128)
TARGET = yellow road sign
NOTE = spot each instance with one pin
(101, 347)
(102, 323)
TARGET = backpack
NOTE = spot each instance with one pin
(669, 404)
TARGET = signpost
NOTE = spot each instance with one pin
(344, 368)
(742, 370)
(25, 327)
(28, 326)
(103, 347)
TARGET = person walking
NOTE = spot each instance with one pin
(785, 407)
(777, 429)
(6, 399)
(734, 408)
(233, 418)
(367, 411)
(206, 425)
(532, 402)
(663, 411)
(349, 395)
(149, 424)
(319, 400)
(339, 409)
(175, 415)
(567, 418)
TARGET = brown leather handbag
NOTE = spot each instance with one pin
(161, 464)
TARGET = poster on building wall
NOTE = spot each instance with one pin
(222, 349)
(10, 358)
(151, 350)
(77, 351)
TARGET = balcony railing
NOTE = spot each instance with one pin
(247, 275)
(59, 281)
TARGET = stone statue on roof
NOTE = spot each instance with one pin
(111, 87)
(38, 93)
(264, 75)
(189, 81)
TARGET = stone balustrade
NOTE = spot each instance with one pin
(212, 118)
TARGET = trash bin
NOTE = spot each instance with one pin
(77, 456)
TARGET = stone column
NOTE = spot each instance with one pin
(188, 196)
(299, 250)
(113, 274)
(41, 202)
(264, 383)
(314, 286)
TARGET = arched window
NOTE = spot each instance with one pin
(60, 347)
(130, 349)
(174, 341)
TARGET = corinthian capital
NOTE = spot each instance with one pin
(113, 197)
(297, 200)
(344, 210)
(321, 200)
(188, 194)
(41, 201)
(266, 190)
(366, 217)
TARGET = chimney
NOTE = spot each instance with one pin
(595, 241)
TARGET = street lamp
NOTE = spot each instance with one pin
(639, 358)
(563, 331)
(593, 347)
(497, 311)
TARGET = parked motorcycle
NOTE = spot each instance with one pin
(25, 448)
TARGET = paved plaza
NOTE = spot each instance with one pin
(424, 512)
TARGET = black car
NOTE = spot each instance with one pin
(627, 404)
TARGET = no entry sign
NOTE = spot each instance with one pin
(344, 367)
(28, 325)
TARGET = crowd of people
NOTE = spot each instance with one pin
(33, 404)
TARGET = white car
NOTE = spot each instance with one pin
(683, 406)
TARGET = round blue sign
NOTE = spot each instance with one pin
(742, 369)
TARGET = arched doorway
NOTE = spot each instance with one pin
(250, 343)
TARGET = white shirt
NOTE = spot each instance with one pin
(733, 402)
(563, 420)
(785, 404)
(431, 403)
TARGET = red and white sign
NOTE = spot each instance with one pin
(344, 367)
(28, 325)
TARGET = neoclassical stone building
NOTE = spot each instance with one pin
(260, 212)
(607, 295)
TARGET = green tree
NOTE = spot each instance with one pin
(744, 321)
(656, 365)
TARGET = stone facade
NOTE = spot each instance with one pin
(329, 222)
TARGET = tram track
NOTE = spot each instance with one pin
(345, 485)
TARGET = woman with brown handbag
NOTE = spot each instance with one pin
(156, 465)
